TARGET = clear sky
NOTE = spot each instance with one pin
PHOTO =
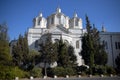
(18, 14)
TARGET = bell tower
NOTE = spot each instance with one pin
(39, 21)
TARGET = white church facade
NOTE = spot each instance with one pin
(71, 31)
(59, 25)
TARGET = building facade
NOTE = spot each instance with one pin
(71, 31)
(111, 40)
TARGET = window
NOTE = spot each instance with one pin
(36, 44)
(116, 45)
(52, 20)
(76, 22)
(66, 42)
(39, 22)
(105, 44)
(56, 40)
(119, 45)
(77, 44)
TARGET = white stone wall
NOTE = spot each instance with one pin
(111, 38)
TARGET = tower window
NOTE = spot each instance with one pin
(76, 22)
(77, 44)
(36, 44)
(52, 20)
(39, 22)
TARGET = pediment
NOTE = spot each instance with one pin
(59, 29)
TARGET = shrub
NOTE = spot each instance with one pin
(36, 72)
(8, 72)
(69, 71)
(82, 70)
(60, 71)
(110, 70)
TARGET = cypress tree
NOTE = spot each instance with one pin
(93, 51)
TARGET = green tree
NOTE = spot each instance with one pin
(66, 55)
(93, 52)
(5, 57)
(20, 52)
(72, 56)
(63, 56)
(117, 61)
(3, 32)
(48, 52)
(87, 46)
(100, 56)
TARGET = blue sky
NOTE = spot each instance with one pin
(18, 14)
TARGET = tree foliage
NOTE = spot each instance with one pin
(117, 61)
(93, 51)
(48, 52)
(20, 52)
(3, 32)
(5, 57)
(66, 56)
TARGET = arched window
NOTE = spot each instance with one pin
(52, 20)
(66, 41)
(76, 22)
(39, 22)
(57, 40)
(77, 44)
(36, 44)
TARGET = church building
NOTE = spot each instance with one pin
(59, 25)
(71, 30)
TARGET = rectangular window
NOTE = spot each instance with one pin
(52, 20)
(76, 22)
(106, 45)
(118, 45)
(39, 22)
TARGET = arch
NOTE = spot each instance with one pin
(56, 40)
(66, 41)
